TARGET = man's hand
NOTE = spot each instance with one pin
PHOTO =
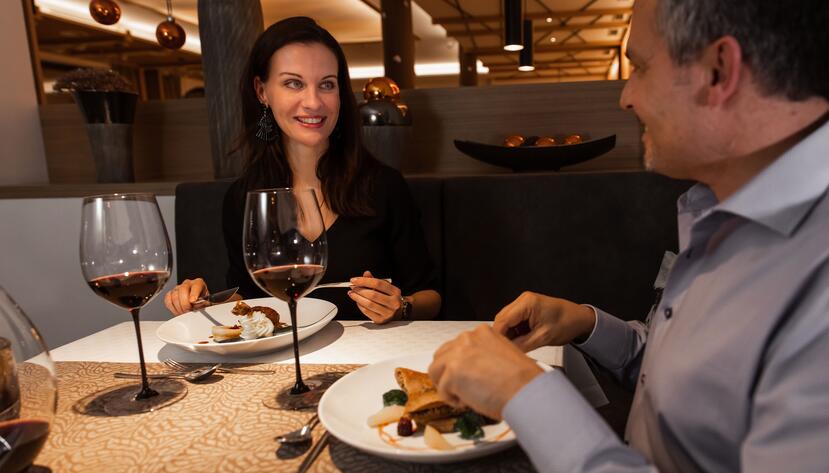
(551, 321)
(482, 370)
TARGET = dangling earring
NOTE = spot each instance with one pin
(268, 129)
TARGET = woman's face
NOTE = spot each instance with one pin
(303, 92)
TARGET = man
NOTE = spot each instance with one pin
(735, 372)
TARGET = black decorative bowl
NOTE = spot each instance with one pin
(536, 158)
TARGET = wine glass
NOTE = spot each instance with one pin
(126, 259)
(28, 388)
(285, 252)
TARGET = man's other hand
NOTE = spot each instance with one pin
(551, 321)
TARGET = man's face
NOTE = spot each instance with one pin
(661, 95)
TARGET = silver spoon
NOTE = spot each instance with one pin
(302, 434)
(192, 376)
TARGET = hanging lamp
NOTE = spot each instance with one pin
(169, 33)
(512, 25)
(525, 58)
(105, 12)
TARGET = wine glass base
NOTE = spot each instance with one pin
(284, 400)
(121, 400)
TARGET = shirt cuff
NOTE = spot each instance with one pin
(555, 426)
(605, 344)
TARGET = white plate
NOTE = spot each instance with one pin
(347, 404)
(188, 329)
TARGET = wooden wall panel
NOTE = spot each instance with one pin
(488, 114)
(172, 143)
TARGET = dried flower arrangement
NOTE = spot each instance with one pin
(99, 80)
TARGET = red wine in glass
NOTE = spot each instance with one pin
(21, 442)
(289, 281)
(129, 290)
(126, 259)
(285, 251)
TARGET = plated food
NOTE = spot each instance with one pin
(347, 405)
(220, 328)
(255, 322)
(417, 407)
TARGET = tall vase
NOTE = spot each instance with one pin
(109, 117)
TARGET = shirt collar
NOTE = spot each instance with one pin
(781, 195)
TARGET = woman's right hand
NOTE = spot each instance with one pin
(181, 298)
(550, 321)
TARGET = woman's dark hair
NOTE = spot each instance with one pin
(345, 168)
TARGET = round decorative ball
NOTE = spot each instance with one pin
(381, 88)
(105, 12)
(170, 34)
(573, 139)
(514, 141)
(546, 141)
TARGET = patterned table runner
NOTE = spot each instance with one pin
(220, 426)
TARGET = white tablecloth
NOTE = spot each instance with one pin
(341, 342)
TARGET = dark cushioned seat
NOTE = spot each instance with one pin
(200, 245)
(596, 238)
(593, 238)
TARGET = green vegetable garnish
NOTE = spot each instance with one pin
(395, 397)
(469, 425)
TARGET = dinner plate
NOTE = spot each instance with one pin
(345, 407)
(192, 330)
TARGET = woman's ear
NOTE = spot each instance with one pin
(259, 87)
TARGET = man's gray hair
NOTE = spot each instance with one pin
(784, 43)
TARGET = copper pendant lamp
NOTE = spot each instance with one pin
(169, 33)
(105, 12)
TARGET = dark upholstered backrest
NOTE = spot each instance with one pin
(593, 238)
(200, 245)
(596, 238)
(427, 193)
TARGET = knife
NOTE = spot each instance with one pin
(314, 453)
(216, 298)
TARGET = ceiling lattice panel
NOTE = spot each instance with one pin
(570, 37)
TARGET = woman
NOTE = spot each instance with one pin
(301, 130)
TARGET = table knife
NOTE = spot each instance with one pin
(314, 453)
(217, 298)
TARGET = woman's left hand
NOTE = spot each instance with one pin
(378, 299)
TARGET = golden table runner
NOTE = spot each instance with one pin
(220, 426)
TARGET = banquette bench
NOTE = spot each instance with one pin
(588, 237)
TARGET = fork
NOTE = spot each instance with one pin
(176, 366)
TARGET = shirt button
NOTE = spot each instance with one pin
(668, 313)
(642, 379)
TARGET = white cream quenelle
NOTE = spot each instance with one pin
(256, 325)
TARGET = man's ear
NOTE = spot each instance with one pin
(259, 87)
(722, 63)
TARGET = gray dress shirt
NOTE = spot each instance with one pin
(732, 371)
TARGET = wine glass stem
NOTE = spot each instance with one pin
(299, 387)
(146, 391)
